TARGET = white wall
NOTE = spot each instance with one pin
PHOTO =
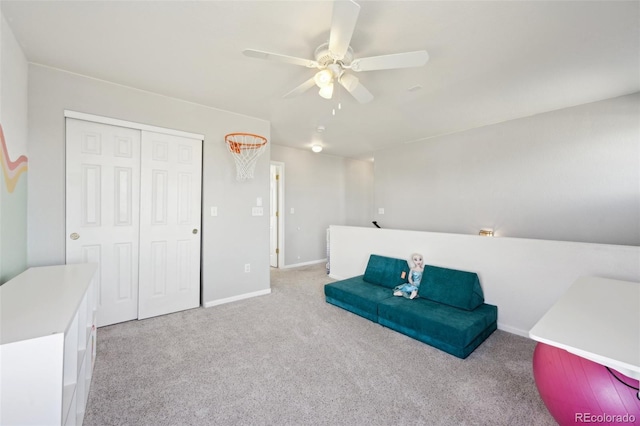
(571, 175)
(13, 191)
(523, 277)
(229, 240)
(323, 190)
(359, 184)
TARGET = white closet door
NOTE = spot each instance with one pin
(170, 212)
(102, 212)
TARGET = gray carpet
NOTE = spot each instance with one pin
(289, 358)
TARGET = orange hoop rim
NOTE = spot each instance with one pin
(237, 147)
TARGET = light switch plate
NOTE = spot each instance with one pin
(214, 211)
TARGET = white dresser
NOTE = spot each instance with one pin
(48, 344)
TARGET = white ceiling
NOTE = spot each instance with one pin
(489, 61)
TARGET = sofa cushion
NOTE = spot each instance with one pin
(386, 271)
(357, 296)
(455, 288)
(441, 323)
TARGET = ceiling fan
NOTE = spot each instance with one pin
(335, 58)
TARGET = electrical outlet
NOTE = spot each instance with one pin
(247, 267)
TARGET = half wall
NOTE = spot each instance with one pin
(523, 277)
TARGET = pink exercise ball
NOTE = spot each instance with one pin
(578, 391)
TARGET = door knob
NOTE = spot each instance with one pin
(74, 236)
(195, 231)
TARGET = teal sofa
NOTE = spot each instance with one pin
(449, 312)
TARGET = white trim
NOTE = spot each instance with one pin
(236, 298)
(281, 211)
(513, 330)
(335, 277)
(311, 262)
(129, 124)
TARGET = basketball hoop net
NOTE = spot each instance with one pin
(245, 148)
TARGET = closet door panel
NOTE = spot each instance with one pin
(170, 215)
(102, 212)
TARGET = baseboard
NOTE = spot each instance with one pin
(236, 298)
(335, 277)
(513, 330)
(312, 262)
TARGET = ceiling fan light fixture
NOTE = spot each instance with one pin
(336, 57)
(323, 78)
(326, 91)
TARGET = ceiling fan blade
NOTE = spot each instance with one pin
(259, 54)
(301, 88)
(387, 62)
(357, 90)
(343, 22)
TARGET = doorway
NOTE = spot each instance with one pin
(276, 216)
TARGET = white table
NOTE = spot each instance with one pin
(597, 319)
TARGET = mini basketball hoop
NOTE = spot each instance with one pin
(245, 148)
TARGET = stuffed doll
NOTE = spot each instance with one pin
(410, 289)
